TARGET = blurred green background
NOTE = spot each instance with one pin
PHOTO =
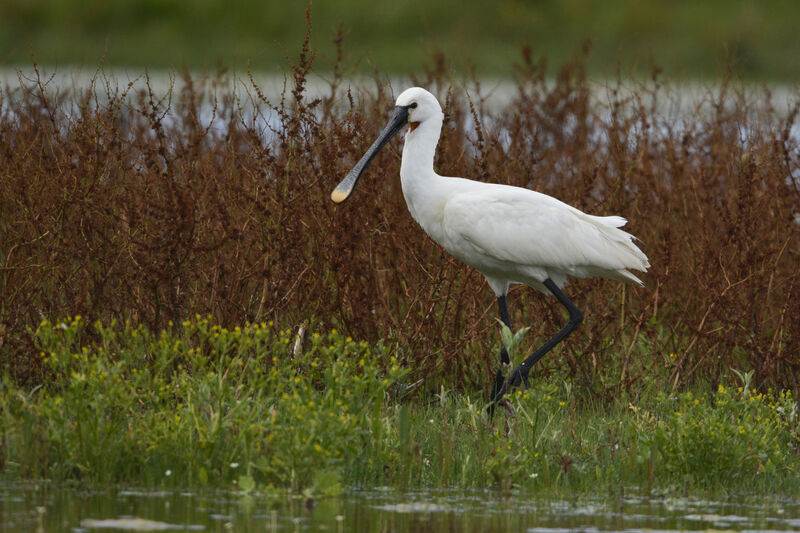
(687, 38)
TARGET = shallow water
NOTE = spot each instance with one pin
(27, 509)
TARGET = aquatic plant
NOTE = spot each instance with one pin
(199, 405)
(266, 410)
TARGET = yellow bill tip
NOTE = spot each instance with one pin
(338, 196)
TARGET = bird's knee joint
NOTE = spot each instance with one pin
(575, 319)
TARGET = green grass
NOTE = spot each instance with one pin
(250, 408)
(686, 38)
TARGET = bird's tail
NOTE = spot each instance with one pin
(626, 251)
(612, 221)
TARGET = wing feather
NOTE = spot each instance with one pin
(523, 235)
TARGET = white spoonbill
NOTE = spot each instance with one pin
(509, 234)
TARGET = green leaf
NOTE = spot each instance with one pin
(246, 483)
(328, 483)
(510, 339)
(506, 336)
(519, 334)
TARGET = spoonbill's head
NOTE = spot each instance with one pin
(414, 106)
(421, 106)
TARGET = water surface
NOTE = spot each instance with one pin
(32, 509)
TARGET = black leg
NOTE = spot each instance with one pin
(521, 372)
(504, 360)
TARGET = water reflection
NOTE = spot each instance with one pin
(26, 509)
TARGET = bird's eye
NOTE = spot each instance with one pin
(413, 106)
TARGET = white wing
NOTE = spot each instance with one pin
(525, 236)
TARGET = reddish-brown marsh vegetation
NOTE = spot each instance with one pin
(126, 204)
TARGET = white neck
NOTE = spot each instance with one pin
(420, 148)
(419, 180)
